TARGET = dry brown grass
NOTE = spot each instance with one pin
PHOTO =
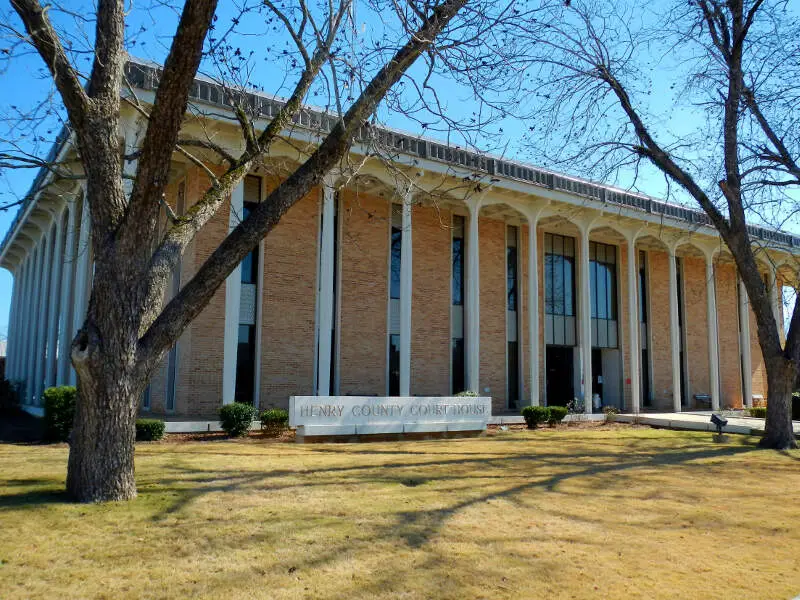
(601, 513)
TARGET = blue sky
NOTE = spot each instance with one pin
(25, 84)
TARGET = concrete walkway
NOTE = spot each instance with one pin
(699, 421)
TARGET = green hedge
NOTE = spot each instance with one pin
(535, 415)
(759, 412)
(236, 418)
(557, 414)
(149, 430)
(467, 394)
(274, 420)
(59, 412)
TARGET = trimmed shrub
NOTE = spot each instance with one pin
(236, 418)
(534, 415)
(467, 394)
(611, 413)
(557, 414)
(759, 412)
(59, 412)
(149, 430)
(274, 421)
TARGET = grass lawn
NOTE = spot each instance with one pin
(573, 513)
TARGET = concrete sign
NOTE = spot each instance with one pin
(362, 415)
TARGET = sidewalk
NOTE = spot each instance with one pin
(699, 421)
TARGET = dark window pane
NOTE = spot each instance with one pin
(458, 271)
(458, 379)
(245, 364)
(397, 242)
(513, 375)
(394, 365)
(511, 278)
(569, 287)
(249, 265)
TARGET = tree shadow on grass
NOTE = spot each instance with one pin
(34, 498)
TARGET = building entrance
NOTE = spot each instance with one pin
(560, 375)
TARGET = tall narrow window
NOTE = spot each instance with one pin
(457, 377)
(512, 320)
(681, 330)
(643, 328)
(603, 292)
(395, 254)
(559, 265)
(246, 349)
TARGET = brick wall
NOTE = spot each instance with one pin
(289, 304)
(430, 302)
(696, 318)
(493, 310)
(727, 317)
(661, 357)
(365, 294)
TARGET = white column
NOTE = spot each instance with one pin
(713, 338)
(327, 265)
(66, 305)
(633, 324)
(406, 270)
(744, 330)
(674, 332)
(585, 319)
(33, 333)
(473, 298)
(26, 322)
(11, 341)
(44, 303)
(233, 293)
(54, 301)
(533, 306)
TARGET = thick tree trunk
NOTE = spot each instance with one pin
(102, 442)
(781, 376)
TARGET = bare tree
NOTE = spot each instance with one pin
(129, 326)
(734, 149)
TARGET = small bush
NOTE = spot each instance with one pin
(534, 415)
(467, 394)
(149, 430)
(236, 418)
(274, 421)
(575, 406)
(611, 413)
(59, 412)
(557, 414)
(759, 412)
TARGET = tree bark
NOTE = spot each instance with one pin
(779, 433)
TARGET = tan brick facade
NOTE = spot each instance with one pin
(288, 311)
(430, 302)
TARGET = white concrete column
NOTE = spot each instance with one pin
(66, 304)
(54, 301)
(674, 332)
(33, 333)
(233, 293)
(473, 297)
(44, 305)
(533, 304)
(585, 318)
(11, 341)
(633, 324)
(26, 322)
(23, 323)
(713, 338)
(744, 331)
(327, 266)
(406, 270)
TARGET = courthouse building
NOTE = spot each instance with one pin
(419, 269)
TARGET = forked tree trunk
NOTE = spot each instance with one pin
(781, 377)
